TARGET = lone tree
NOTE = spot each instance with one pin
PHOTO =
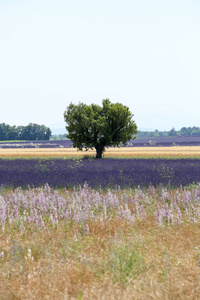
(93, 126)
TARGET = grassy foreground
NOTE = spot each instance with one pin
(86, 244)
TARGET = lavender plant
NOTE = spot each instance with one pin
(108, 173)
(44, 207)
(139, 142)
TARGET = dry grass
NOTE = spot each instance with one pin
(171, 263)
(175, 151)
(62, 267)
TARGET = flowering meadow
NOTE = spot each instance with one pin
(86, 243)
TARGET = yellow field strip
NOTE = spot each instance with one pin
(179, 151)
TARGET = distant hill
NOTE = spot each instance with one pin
(58, 128)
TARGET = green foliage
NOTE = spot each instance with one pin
(16, 257)
(93, 126)
(124, 262)
(29, 132)
(58, 137)
(35, 132)
(184, 131)
(8, 132)
(42, 168)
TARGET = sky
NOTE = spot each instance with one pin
(143, 54)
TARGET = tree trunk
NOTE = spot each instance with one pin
(99, 152)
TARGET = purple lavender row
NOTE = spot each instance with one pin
(107, 173)
(140, 142)
(37, 144)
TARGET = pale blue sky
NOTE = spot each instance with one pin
(144, 54)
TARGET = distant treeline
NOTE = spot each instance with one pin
(41, 132)
(29, 132)
(59, 137)
(183, 131)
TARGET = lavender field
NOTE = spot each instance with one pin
(105, 173)
(138, 142)
(111, 228)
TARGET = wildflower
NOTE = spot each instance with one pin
(86, 229)
(115, 236)
(29, 253)
(29, 256)
(75, 236)
(2, 254)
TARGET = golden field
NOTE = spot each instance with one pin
(170, 271)
(175, 151)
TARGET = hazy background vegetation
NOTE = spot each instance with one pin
(29, 132)
(41, 132)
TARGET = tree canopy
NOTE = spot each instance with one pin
(93, 126)
(29, 132)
